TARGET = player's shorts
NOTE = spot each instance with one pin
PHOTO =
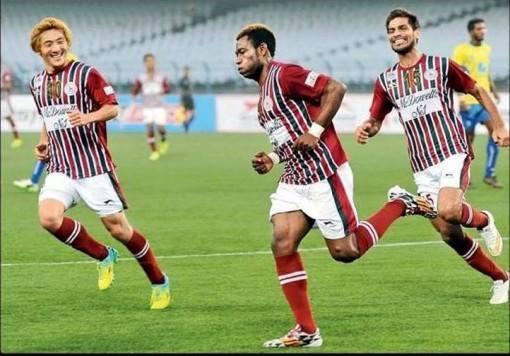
(187, 102)
(329, 202)
(452, 172)
(157, 115)
(101, 193)
(476, 114)
(5, 109)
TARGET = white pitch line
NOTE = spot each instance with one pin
(222, 254)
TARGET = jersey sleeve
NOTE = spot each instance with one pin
(100, 90)
(33, 97)
(381, 103)
(459, 80)
(300, 83)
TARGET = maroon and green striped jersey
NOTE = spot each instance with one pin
(289, 103)
(423, 97)
(78, 152)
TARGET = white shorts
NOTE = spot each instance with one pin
(101, 193)
(157, 115)
(5, 109)
(329, 202)
(452, 172)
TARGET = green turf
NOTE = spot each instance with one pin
(203, 198)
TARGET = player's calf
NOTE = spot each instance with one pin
(343, 250)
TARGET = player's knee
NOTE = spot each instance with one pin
(282, 241)
(50, 222)
(450, 213)
(116, 230)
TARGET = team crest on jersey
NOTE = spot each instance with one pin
(70, 88)
(391, 76)
(430, 74)
(268, 103)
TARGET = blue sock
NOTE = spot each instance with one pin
(38, 170)
(492, 155)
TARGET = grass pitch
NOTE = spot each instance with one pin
(205, 213)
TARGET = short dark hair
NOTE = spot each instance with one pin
(401, 12)
(147, 55)
(259, 33)
(473, 22)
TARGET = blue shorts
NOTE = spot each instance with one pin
(476, 114)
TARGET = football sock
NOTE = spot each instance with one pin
(141, 250)
(293, 280)
(72, 233)
(15, 132)
(162, 133)
(371, 230)
(152, 142)
(473, 254)
(473, 217)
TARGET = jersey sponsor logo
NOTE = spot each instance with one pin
(419, 104)
(430, 74)
(277, 132)
(268, 103)
(55, 116)
(70, 88)
(108, 90)
(311, 78)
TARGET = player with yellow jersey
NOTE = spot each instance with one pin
(475, 58)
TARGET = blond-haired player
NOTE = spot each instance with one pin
(75, 101)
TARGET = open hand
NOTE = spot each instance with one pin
(77, 118)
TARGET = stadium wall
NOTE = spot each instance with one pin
(219, 113)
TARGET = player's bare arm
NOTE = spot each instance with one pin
(330, 103)
(107, 112)
(367, 129)
(41, 150)
(495, 124)
(262, 163)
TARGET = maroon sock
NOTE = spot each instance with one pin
(473, 254)
(72, 233)
(293, 280)
(141, 250)
(473, 217)
(151, 140)
(371, 230)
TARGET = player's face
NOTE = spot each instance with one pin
(150, 63)
(401, 35)
(247, 60)
(54, 48)
(479, 31)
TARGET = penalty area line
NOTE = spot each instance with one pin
(222, 254)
